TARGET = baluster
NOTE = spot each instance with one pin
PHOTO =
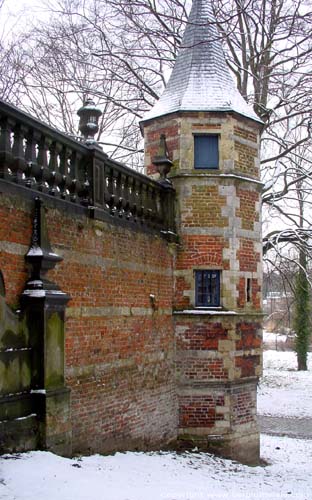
(68, 170)
(160, 218)
(6, 126)
(119, 199)
(147, 203)
(32, 168)
(106, 193)
(141, 197)
(126, 197)
(134, 200)
(64, 168)
(139, 200)
(110, 191)
(44, 176)
(82, 184)
(74, 186)
(153, 205)
(55, 175)
(18, 164)
(114, 198)
(131, 197)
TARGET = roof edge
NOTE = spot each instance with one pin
(181, 111)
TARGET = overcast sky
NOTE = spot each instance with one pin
(20, 14)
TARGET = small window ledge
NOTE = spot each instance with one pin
(207, 311)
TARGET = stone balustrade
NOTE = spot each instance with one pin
(40, 158)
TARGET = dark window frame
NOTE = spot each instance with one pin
(206, 151)
(207, 288)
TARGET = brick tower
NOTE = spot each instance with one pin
(212, 139)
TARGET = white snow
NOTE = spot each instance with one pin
(156, 476)
(27, 416)
(283, 391)
(35, 252)
(273, 338)
(188, 476)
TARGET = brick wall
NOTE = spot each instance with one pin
(119, 340)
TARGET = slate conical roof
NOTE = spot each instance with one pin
(200, 79)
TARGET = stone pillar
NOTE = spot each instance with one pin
(43, 305)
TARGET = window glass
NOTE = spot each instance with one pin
(207, 287)
(206, 151)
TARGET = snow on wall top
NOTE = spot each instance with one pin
(200, 79)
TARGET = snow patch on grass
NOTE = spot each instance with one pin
(283, 391)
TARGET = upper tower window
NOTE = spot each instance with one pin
(206, 151)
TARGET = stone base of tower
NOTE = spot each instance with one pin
(221, 419)
(242, 446)
(218, 361)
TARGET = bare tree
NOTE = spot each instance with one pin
(12, 60)
(120, 52)
(269, 51)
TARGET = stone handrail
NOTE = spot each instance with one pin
(41, 158)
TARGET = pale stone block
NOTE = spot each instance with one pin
(226, 345)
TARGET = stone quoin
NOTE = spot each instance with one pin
(130, 304)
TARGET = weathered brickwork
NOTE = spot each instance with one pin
(246, 133)
(247, 255)
(12, 263)
(201, 250)
(247, 211)
(200, 411)
(250, 335)
(247, 365)
(228, 341)
(171, 129)
(203, 208)
(201, 336)
(201, 369)
(245, 160)
(243, 407)
(119, 327)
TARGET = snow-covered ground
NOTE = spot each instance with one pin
(190, 476)
(283, 391)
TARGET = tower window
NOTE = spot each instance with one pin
(207, 288)
(206, 151)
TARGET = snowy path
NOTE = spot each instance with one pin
(285, 397)
(300, 428)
